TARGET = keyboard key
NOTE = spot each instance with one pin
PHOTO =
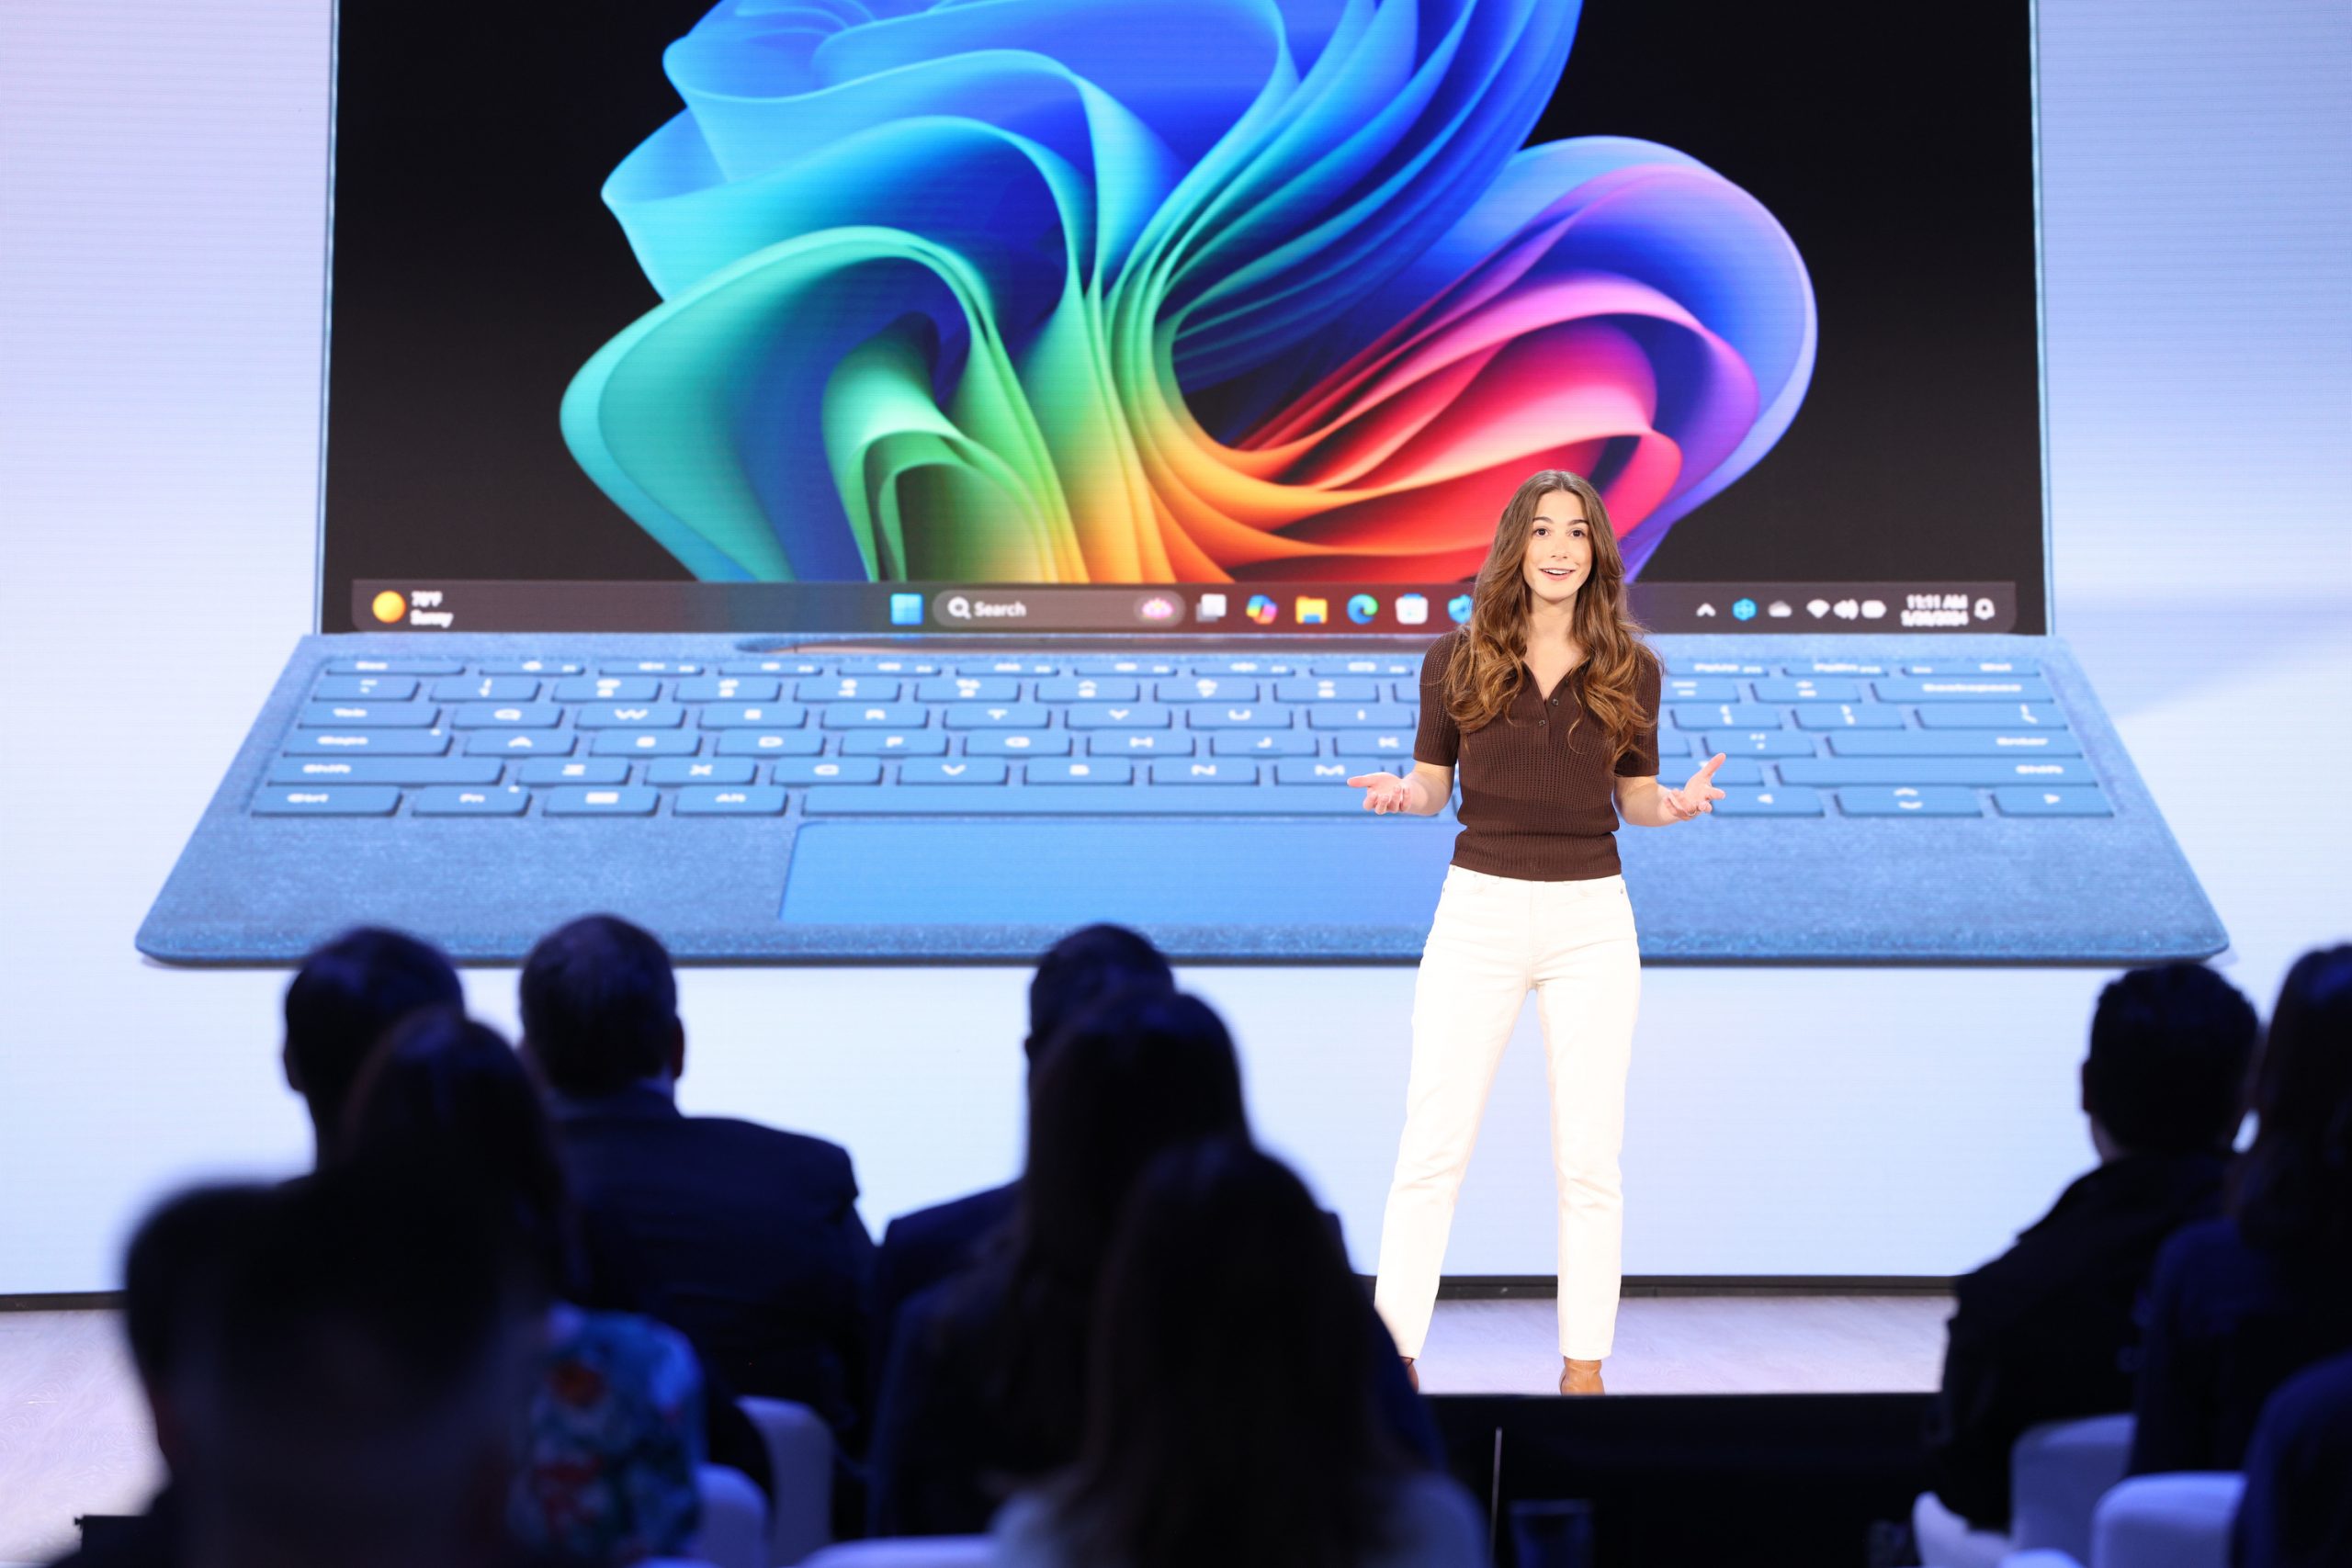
(1961, 689)
(1263, 743)
(1735, 772)
(645, 743)
(649, 666)
(628, 800)
(727, 689)
(364, 688)
(1360, 715)
(556, 770)
(1331, 689)
(1700, 689)
(968, 689)
(781, 666)
(1849, 715)
(367, 716)
(521, 743)
(996, 716)
(1376, 743)
(891, 664)
(1020, 743)
(1974, 667)
(827, 770)
(1724, 716)
(1142, 668)
(1731, 667)
(546, 667)
(2025, 800)
(1992, 716)
(1785, 801)
(1675, 743)
(1090, 689)
(701, 771)
(365, 743)
(1759, 743)
(1398, 664)
(1803, 668)
(1982, 772)
(1015, 666)
(753, 715)
(1327, 771)
(847, 689)
(395, 667)
(1056, 800)
(1090, 771)
(875, 716)
(895, 743)
(327, 800)
(1909, 802)
(633, 716)
(770, 743)
(384, 770)
(1241, 716)
(1804, 689)
(486, 689)
(609, 689)
(452, 800)
(719, 800)
(1249, 664)
(1117, 715)
(1208, 689)
(963, 771)
(1954, 743)
(1139, 743)
(505, 716)
(1197, 772)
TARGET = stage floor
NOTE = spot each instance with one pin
(74, 1439)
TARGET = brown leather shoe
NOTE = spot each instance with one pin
(1412, 1376)
(1580, 1377)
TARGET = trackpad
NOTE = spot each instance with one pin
(1067, 873)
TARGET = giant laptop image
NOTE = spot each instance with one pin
(889, 481)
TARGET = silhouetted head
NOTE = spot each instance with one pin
(171, 1268)
(1081, 969)
(342, 1001)
(600, 1008)
(1230, 1411)
(2166, 1073)
(2293, 1191)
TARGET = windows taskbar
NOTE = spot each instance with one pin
(1238, 609)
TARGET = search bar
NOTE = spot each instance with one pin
(1057, 609)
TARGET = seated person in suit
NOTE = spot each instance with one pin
(2045, 1332)
(2297, 1511)
(2240, 1303)
(342, 1001)
(1232, 1414)
(921, 1248)
(746, 1238)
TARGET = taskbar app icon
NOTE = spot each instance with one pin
(1261, 610)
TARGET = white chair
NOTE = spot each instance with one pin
(909, 1552)
(1945, 1540)
(800, 1461)
(2058, 1471)
(734, 1531)
(2167, 1521)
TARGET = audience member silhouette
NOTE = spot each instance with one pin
(986, 1387)
(748, 1239)
(1231, 1414)
(339, 1005)
(2046, 1331)
(2239, 1304)
(921, 1248)
(2297, 1511)
(615, 1419)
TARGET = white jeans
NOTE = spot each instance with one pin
(1495, 937)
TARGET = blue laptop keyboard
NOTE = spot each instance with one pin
(1061, 734)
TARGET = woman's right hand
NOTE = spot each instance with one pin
(1384, 793)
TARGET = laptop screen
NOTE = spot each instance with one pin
(1187, 316)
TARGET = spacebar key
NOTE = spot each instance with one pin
(1080, 800)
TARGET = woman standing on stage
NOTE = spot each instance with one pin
(1547, 701)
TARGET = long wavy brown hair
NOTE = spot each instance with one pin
(1491, 659)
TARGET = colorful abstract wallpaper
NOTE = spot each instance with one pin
(1165, 290)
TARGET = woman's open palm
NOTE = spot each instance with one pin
(1697, 797)
(1383, 793)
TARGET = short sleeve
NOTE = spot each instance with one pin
(1439, 740)
(1639, 761)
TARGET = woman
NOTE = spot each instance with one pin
(1547, 701)
(613, 1431)
(1231, 1412)
(2237, 1306)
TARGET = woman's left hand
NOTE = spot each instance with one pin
(1696, 798)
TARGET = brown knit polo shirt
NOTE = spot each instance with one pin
(1538, 785)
